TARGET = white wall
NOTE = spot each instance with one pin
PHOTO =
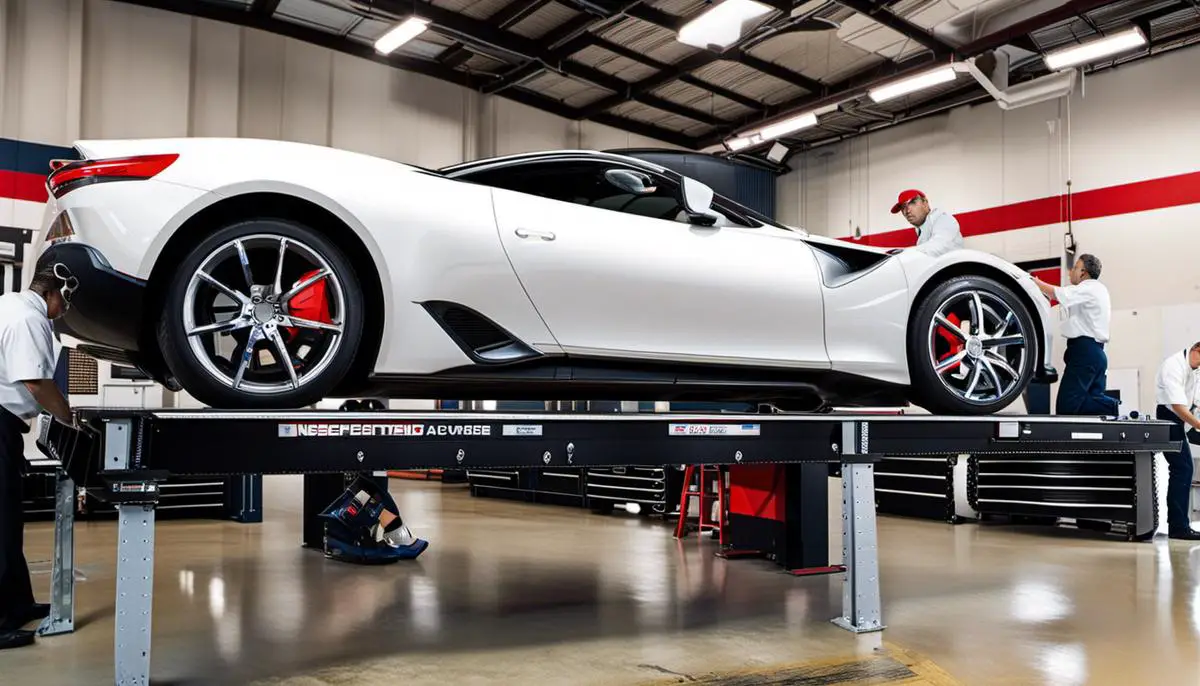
(72, 69)
(1135, 123)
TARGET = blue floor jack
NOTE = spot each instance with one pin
(353, 532)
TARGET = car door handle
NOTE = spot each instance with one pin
(544, 235)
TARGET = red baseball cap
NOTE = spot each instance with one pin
(903, 199)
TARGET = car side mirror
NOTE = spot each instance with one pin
(630, 181)
(697, 202)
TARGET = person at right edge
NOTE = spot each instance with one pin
(1081, 391)
(1175, 395)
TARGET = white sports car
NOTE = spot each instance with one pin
(267, 274)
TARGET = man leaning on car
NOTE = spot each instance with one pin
(937, 231)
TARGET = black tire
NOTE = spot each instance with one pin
(928, 391)
(197, 381)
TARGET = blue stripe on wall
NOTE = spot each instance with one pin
(31, 158)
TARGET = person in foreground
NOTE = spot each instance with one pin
(1175, 395)
(1089, 315)
(27, 363)
(937, 232)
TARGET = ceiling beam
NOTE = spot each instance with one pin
(264, 8)
(1024, 28)
(882, 15)
(230, 15)
(507, 16)
(562, 42)
(699, 60)
(233, 16)
(686, 78)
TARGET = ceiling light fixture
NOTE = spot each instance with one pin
(1094, 50)
(399, 35)
(723, 25)
(772, 131)
(913, 84)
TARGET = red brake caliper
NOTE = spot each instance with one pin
(955, 343)
(311, 303)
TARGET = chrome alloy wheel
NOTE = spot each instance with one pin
(228, 301)
(978, 346)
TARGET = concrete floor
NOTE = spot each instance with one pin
(512, 593)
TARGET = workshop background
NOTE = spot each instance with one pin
(1113, 165)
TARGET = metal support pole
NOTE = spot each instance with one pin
(135, 586)
(62, 577)
(861, 604)
(135, 566)
(1146, 517)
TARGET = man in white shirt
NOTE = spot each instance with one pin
(1175, 395)
(1081, 391)
(937, 232)
(27, 363)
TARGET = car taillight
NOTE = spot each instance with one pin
(61, 229)
(66, 177)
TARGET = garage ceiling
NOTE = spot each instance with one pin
(620, 63)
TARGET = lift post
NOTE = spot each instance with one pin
(124, 455)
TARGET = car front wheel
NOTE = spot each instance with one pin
(972, 347)
(262, 314)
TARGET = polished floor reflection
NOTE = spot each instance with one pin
(510, 593)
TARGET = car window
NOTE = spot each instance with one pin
(584, 183)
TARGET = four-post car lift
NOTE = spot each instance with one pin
(123, 456)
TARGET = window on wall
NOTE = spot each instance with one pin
(83, 376)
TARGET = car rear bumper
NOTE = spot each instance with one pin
(107, 307)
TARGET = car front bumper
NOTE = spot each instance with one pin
(107, 307)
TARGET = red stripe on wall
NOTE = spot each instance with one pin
(1140, 196)
(23, 186)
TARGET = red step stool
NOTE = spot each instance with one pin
(710, 488)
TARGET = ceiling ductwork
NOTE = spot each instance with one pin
(989, 18)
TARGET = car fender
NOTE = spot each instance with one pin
(920, 268)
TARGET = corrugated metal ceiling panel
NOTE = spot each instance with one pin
(702, 100)
(476, 9)
(666, 120)
(322, 15)
(819, 56)
(1178, 21)
(648, 39)
(483, 63)
(549, 17)
(681, 8)
(611, 63)
(1122, 12)
(749, 82)
(567, 90)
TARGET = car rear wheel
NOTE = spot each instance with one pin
(262, 314)
(972, 347)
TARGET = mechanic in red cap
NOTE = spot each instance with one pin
(937, 231)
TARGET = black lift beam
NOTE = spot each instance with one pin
(124, 455)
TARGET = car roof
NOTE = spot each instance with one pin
(544, 155)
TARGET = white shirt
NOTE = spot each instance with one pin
(1089, 309)
(26, 350)
(1177, 381)
(939, 234)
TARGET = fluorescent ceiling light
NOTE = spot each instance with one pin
(772, 131)
(722, 25)
(913, 84)
(402, 33)
(1094, 50)
(790, 125)
(739, 143)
